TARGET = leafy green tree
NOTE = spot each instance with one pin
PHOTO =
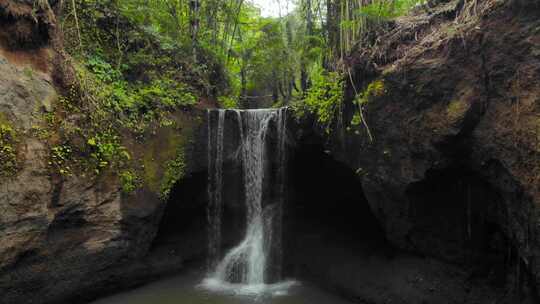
(223, 48)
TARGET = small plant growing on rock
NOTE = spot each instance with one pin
(175, 171)
(356, 120)
(129, 181)
(106, 150)
(28, 72)
(60, 156)
(323, 99)
(374, 89)
(8, 153)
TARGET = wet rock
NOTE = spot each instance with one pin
(460, 107)
(62, 238)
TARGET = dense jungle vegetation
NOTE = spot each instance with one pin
(139, 61)
(172, 52)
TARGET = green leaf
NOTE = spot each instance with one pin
(92, 142)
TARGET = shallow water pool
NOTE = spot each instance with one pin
(188, 289)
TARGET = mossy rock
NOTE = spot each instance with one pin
(9, 162)
(456, 110)
(159, 150)
(163, 156)
(374, 90)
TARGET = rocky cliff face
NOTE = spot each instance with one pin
(452, 98)
(64, 238)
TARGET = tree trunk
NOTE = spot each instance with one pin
(309, 33)
(243, 86)
(332, 32)
(236, 21)
(194, 6)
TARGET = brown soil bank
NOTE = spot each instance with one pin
(453, 102)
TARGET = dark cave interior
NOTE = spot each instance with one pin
(326, 208)
(455, 213)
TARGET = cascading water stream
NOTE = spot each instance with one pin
(215, 188)
(247, 266)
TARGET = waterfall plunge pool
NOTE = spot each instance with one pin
(187, 289)
(242, 275)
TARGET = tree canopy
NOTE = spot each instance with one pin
(224, 48)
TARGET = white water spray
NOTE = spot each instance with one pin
(246, 267)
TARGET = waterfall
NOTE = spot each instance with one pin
(256, 260)
(215, 186)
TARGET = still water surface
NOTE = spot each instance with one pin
(188, 289)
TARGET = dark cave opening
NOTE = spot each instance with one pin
(182, 229)
(456, 216)
(324, 208)
(327, 219)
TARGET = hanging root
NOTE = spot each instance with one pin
(360, 110)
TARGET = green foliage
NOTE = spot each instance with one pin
(101, 69)
(135, 106)
(175, 171)
(105, 149)
(228, 102)
(60, 159)
(323, 99)
(313, 49)
(129, 181)
(456, 109)
(142, 54)
(160, 92)
(140, 66)
(165, 92)
(136, 71)
(374, 89)
(384, 9)
(356, 120)
(121, 41)
(28, 72)
(87, 146)
(8, 151)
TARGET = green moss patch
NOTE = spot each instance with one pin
(160, 150)
(456, 109)
(8, 149)
(374, 89)
(164, 155)
(129, 181)
(174, 172)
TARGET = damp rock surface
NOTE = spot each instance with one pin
(453, 168)
(67, 238)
